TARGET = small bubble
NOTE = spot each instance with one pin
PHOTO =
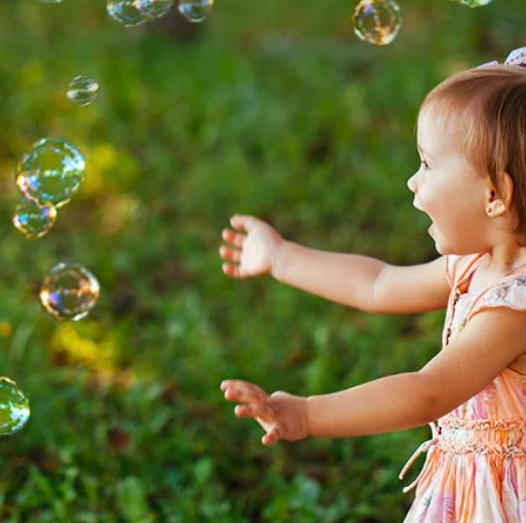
(69, 291)
(14, 407)
(195, 10)
(51, 171)
(82, 90)
(474, 3)
(34, 220)
(377, 21)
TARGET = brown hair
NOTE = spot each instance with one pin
(486, 108)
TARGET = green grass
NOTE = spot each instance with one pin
(273, 108)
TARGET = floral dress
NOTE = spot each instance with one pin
(475, 470)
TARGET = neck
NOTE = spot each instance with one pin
(504, 259)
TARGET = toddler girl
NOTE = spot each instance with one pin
(472, 184)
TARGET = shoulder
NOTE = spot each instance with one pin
(488, 344)
(509, 293)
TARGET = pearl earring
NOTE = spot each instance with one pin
(488, 210)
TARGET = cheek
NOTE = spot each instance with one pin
(431, 200)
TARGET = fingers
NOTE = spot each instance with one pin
(265, 416)
(229, 254)
(243, 391)
(231, 270)
(254, 410)
(244, 222)
(271, 436)
(234, 238)
(253, 404)
(234, 271)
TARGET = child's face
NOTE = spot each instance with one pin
(449, 190)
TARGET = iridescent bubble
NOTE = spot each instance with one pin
(51, 171)
(14, 407)
(474, 3)
(69, 291)
(195, 10)
(377, 21)
(135, 12)
(82, 90)
(34, 220)
(127, 12)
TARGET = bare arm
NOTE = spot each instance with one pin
(491, 341)
(254, 248)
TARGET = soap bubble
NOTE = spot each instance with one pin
(135, 12)
(377, 21)
(14, 407)
(69, 291)
(195, 10)
(82, 90)
(51, 171)
(127, 12)
(474, 3)
(50, 1)
(32, 219)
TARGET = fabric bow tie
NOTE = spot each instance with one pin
(516, 57)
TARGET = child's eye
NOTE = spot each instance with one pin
(425, 165)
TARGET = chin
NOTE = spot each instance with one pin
(441, 251)
(444, 249)
(438, 247)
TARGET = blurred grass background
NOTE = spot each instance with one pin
(272, 108)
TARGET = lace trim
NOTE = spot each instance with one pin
(442, 443)
(517, 424)
(456, 447)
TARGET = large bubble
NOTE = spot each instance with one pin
(377, 21)
(14, 407)
(82, 90)
(135, 12)
(69, 291)
(32, 219)
(195, 10)
(51, 171)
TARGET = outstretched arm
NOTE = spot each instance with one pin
(253, 248)
(491, 341)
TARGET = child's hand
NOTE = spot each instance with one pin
(282, 415)
(253, 245)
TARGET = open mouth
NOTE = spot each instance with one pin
(418, 207)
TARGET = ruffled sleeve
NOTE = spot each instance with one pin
(509, 293)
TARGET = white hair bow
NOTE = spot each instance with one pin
(516, 57)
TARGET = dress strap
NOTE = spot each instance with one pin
(424, 447)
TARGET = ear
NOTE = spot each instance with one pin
(499, 202)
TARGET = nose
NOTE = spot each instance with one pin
(411, 183)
